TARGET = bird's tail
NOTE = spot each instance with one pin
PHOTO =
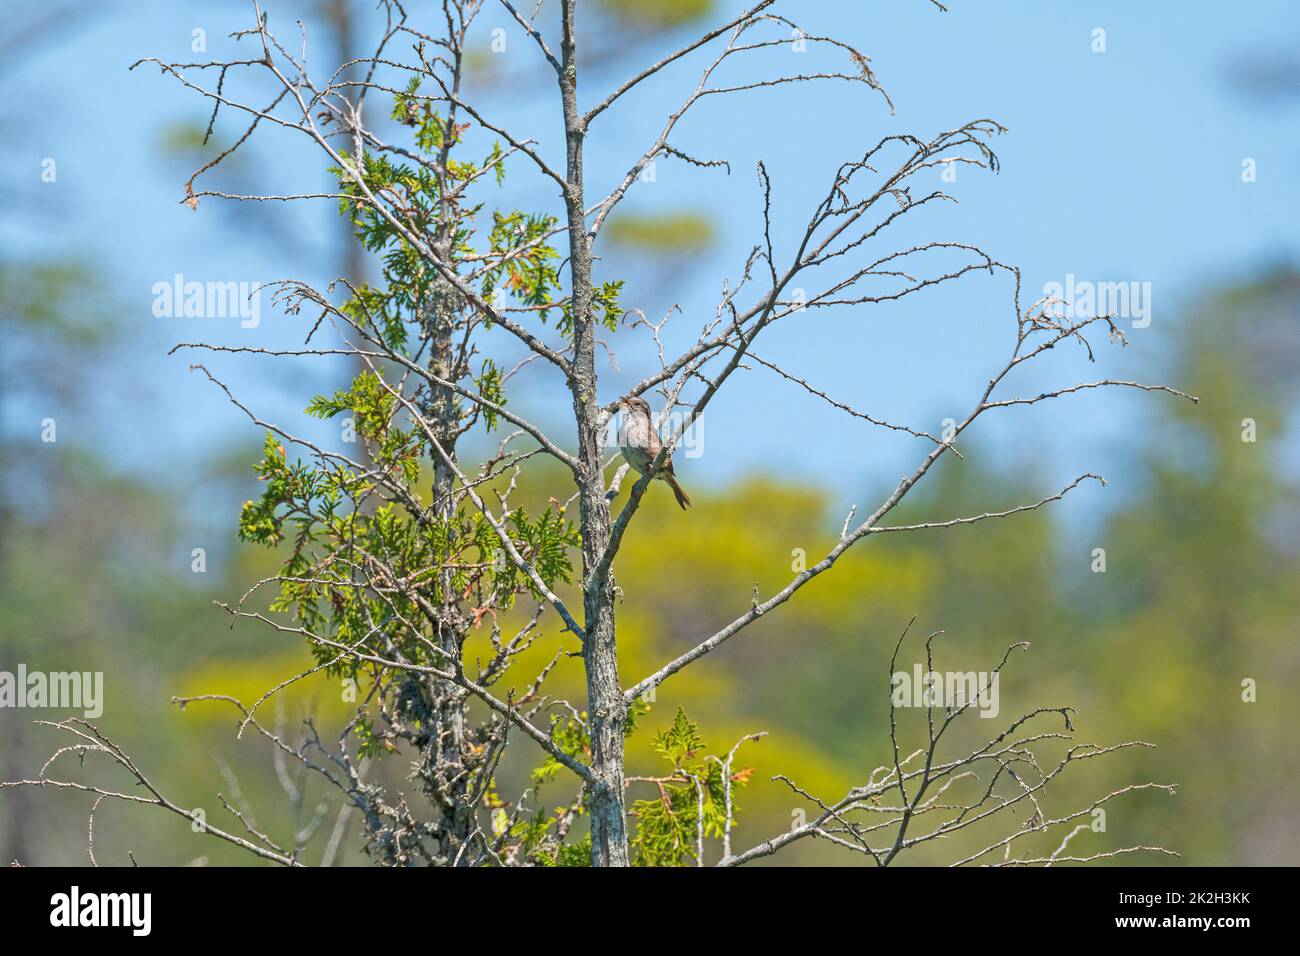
(682, 497)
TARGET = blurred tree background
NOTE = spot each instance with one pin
(1199, 594)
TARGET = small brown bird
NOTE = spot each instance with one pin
(640, 444)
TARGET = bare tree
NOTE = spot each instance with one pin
(390, 573)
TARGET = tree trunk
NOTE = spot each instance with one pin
(449, 744)
(607, 711)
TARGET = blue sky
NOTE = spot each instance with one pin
(1122, 165)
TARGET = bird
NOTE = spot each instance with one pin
(640, 444)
